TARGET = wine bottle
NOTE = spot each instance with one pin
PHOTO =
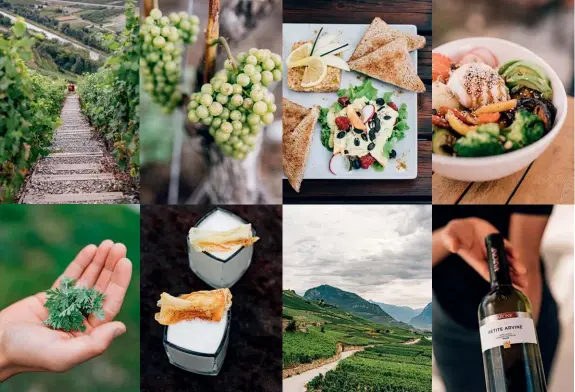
(511, 356)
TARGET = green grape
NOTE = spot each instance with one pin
(237, 100)
(226, 89)
(251, 59)
(256, 78)
(240, 102)
(253, 119)
(249, 70)
(256, 95)
(216, 108)
(268, 118)
(162, 45)
(202, 111)
(235, 115)
(227, 127)
(207, 89)
(221, 137)
(260, 108)
(267, 78)
(243, 79)
(221, 98)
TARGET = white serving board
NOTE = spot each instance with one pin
(318, 161)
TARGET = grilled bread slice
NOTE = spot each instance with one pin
(329, 84)
(206, 305)
(292, 114)
(296, 146)
(391, 64)
(379, 34)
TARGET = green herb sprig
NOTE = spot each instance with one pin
(69, 305)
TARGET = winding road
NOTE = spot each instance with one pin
(298, 383)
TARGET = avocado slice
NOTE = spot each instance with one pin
(442, 141)
(519, 73)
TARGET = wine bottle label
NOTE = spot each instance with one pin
(507, 329)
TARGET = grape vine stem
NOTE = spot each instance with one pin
(222, 41)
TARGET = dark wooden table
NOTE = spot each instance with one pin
(379, 191)
(254, 358)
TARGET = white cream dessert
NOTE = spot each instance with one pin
(197, 329)
(220, 248)
(200, 336)
(477, 84)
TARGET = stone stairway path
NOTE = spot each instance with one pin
(75, 171)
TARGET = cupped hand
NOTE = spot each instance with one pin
(27, 345)
(466, 238)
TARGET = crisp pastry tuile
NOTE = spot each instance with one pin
(221, 241)
(205, 305)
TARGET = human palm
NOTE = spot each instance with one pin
(28, 345)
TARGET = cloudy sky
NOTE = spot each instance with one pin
(382, 253)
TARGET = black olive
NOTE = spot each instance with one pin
(372, 135)
(345, 152)
(357, 130)
(387, 117)
(356, 141)
(356, 164)
(433, 111)
(392, 154)
(364, 137)
(370, 146)
(380, 101)
(341, 135)
(377, 125)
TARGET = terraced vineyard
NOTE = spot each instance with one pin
(390, 365)
(387, 368)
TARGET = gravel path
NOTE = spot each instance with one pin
(75, 172)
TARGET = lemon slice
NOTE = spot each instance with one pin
(299, 54)
(314, 72)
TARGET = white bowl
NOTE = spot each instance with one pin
(499, 166)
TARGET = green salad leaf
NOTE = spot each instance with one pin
(325, 130)
(366, 89)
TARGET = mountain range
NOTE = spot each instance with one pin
(424, 320)
(352, 303)
(400, 313)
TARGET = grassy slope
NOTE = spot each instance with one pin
(339, 326)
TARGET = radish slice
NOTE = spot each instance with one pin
(487, 55)
(338, 164)
(480, 55)
(367, 113)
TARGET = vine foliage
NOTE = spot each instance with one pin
(110, 97)
(30, 105)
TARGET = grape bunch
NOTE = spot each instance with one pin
(161, 59)
(236, 103)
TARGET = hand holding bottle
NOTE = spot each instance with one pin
(465, 237)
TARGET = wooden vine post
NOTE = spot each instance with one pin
(212, 34)
(148, 5)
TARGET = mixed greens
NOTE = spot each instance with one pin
(370, 123)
